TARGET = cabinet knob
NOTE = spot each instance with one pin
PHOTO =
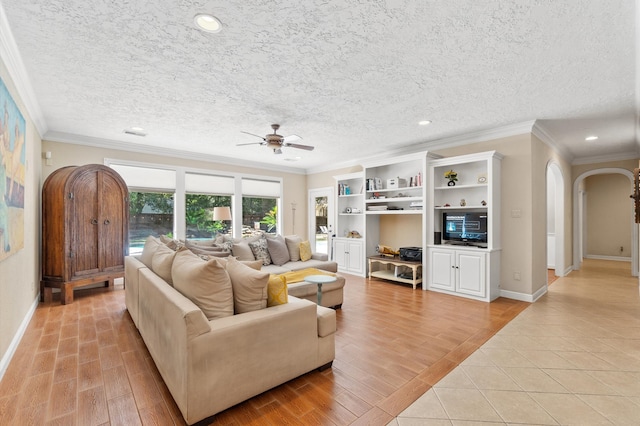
(107, 221)
(94, 221)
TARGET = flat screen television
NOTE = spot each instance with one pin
(469, 228)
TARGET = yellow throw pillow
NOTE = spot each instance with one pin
(305, 251)
(277, 290)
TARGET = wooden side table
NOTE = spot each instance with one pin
(393, 275)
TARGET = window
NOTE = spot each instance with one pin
(260, 199)
(203, 193)
(151, 202)
(150, 213)
(180, 202)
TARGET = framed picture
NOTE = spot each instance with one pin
(12, 174)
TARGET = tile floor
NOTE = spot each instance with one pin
(573, 357)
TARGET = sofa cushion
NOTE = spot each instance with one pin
(305, 251)
(162, 261)
(253, 264)
(249, 287)
(205, 283)
(242, 251)
(293, 245)
(312, 263)
(260, 251)
(277, 291)
(278, 250)
(150, 247)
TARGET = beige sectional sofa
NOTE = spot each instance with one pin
(211, 365)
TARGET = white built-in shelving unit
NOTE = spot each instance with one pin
(452, 267)
(348, 251)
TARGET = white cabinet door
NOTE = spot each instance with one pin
(442, 269)
(470, 272)
(340, 253)
(355, 261)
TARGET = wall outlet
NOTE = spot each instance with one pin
(516, 276)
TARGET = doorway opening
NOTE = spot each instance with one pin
(589, 214)
(555, 223)
(320, 219)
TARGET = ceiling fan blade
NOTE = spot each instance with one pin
(295, 145)
(253, 134)
(250, 143)
(291, 138)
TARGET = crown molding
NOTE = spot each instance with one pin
(547, 137)
(13, 60)
(479, 136)
(448, 142)
(605, 158)
(165, 152)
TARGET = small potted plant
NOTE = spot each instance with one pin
(452, 176)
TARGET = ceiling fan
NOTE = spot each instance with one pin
(276, 142)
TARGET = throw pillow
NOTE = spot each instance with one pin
(305, 251)
(150, 247)
(277, 291)
(200, 243)
(249, 287)
(162, 261)
(278, 250)
(205, 283)
(293, 245)
(261, 251)
(171, 243)
(242, 251)
(207, 250)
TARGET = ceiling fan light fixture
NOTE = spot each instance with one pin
(591, 138)
(424, 122)
(207, 22)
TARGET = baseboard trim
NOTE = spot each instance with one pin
(616, 258)
(8, 355)
(522, 296)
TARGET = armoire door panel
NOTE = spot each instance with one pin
(84, 231)
(112, 228)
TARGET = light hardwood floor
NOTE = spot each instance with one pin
(86, 364)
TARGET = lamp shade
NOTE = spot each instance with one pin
(221, 213)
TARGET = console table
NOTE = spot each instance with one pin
(394, 274)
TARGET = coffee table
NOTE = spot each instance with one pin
(319, 280)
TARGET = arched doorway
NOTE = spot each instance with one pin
(555, 219)
(578, 217)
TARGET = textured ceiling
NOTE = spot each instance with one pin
(352, 77)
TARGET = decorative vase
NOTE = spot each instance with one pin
(452, 183)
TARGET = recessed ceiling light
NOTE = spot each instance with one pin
(208, 23)
(591, 138)
(137, 129)
(424, 122)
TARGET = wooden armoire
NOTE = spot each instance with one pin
(85, 229)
